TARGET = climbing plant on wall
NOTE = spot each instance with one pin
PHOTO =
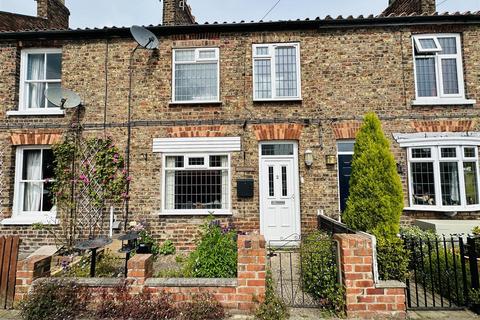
(89, 177)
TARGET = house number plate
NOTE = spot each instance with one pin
(278, 203)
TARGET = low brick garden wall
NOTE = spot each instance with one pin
(364, 298)
(238, 295)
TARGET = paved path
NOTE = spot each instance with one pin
(9, 315)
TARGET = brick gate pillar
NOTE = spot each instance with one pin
(365, 298)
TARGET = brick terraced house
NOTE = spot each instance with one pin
(253, 121)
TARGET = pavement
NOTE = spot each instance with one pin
(315, 314)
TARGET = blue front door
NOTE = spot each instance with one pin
(344, 172)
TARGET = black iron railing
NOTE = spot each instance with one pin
(332, 226)
(443, 272)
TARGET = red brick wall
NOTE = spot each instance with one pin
(240, 295)
(365, 298)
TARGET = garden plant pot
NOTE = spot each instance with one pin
(144, 248)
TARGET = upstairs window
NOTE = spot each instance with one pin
(276, 71)
(196, 75)
(438, 69)
(40, 69)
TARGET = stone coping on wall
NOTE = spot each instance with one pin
(390, 284)
(191, 282)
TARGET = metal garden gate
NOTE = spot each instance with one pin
(443, 272)
(300, 267)
(8, 270)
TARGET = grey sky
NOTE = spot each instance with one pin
(99, 13)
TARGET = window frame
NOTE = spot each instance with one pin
(20, 217)
(436, 159)
(271, 57)
(197, 60)
(206, 166)
(423, 53)
(22, 107)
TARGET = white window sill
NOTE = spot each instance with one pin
(195, 213)
(28, 220)
(279, 100)
(443, 102)
(195, 102)
(39, 112)
(443, 209)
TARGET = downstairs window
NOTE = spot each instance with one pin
(444, 177)
(196, 184)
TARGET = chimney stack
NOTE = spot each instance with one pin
(408, 7)
(55, 12)
(177, 12)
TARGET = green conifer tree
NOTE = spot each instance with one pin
(375, 201)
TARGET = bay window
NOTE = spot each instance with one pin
(196, 75)
(196, 183)
(444, 177)
(276, 71)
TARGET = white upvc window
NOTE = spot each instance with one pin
(438, 69)
(196, 184)
(444, 178)
(196, 75)
(33, 197)
(40, 69)
(276, 71)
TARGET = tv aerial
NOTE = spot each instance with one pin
(63, 98)
(144, 37)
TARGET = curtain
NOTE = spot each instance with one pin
(224, 182)
(35, 71)
(32, 171)
(454, 186)
(170, 184)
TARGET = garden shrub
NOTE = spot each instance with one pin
(167, 248)
(55, 299)
(215, 255)
(202, 307)
(272, 308)
(121, 304)
(375, 201)
(392, 258)
(319, 271)
(414, 232)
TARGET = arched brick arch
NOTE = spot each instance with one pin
(289, 131)
(35, 138)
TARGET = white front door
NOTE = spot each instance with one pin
(279, 210)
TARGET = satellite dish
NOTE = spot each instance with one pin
(63, 98)
(145, 38)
